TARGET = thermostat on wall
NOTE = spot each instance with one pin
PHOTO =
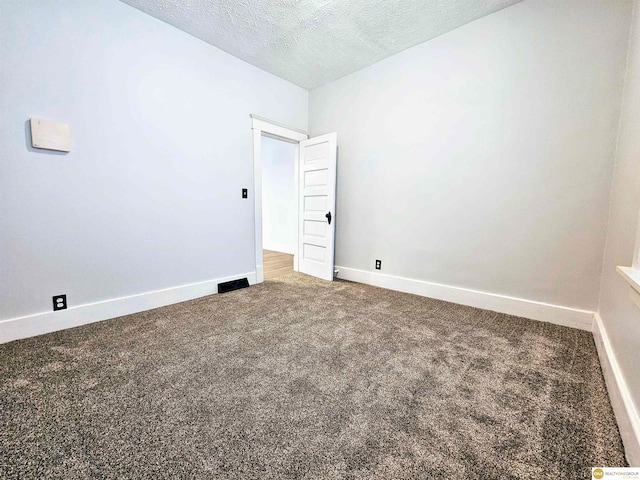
(50, 135)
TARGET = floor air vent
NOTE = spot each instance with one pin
(233, 285)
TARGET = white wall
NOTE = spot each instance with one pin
(150, 195)
(279, 216)
(482, 159)
(620, 317)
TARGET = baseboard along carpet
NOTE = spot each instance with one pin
(300, 378)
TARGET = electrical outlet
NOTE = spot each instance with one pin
(378, 264)
(245, 193)
(59, 302)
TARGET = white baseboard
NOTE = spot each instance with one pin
(279, 247)
(37, 324)
(568, 317)
(259, 274)
(627, 415)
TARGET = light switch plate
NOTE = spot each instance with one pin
(50, 135)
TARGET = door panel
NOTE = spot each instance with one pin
(317, 202)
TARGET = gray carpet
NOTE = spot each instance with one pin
(298, 378)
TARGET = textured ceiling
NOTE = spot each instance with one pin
(311, 42)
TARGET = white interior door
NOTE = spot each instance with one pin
(317, 205)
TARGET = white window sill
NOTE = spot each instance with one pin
(632, 276)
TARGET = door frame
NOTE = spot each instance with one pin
(268, 128)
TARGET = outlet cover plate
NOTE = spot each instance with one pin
(59, 302)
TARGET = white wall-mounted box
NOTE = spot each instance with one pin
(50, 135)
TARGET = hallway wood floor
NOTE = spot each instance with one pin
(276, 264)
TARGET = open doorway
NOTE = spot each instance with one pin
(265, 128)
(279, 212)
(315, 187)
